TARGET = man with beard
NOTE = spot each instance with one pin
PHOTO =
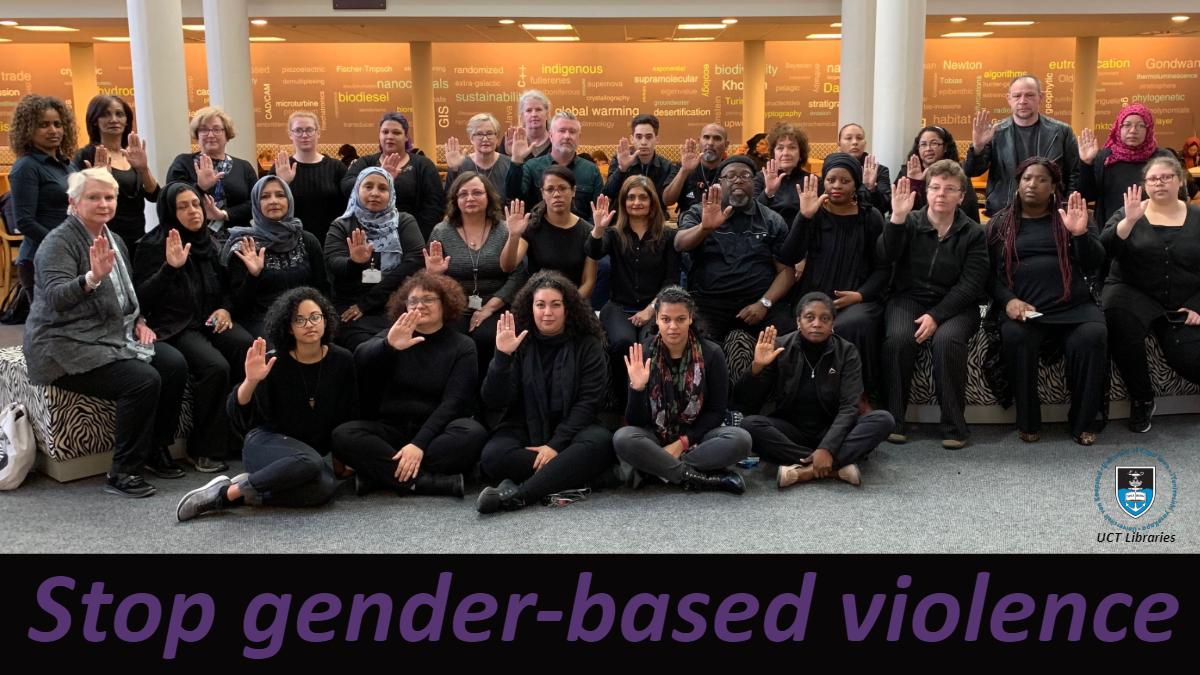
(699, 163)
(735, 243)
(535, 117)
(636, 157)
(524, 179)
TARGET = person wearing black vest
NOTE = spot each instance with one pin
(636, 157)
(226, 181)
(778, 184)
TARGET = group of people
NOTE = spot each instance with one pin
(457, 317)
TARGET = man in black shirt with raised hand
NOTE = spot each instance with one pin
(698, 167)
(636, 156)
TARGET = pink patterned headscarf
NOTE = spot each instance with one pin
(1124, 153)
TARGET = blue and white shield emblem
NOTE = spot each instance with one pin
(1135, 489)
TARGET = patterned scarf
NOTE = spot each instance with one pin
(277, 236)
(381, 227)
(675, 398)
(1124, 153)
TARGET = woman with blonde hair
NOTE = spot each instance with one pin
(225, 181)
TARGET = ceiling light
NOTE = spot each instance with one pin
(835, 25)
(268, 39)
(1008, 23)
(507, 22)
(557, 38)
(193, 26)
(48, 29)
(974, 34)
(547, 26)
(259, 22)
(1174, 18)
(958, 19)
(728, 21)
(693, 39)
(825, 36)
(8, 23)
(701, 26)
(111, 39)
(5, 40)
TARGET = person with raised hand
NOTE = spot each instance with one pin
(226, 181)
(417, 384)
(551, 236)
(876, 185)
(699, 160)
(483, 132)
(939, 262)
(1154, 284)
(677, 400)
(805, 388)
(548, 376)
(636, 156)
(777, 185)
(524, 178)
(1043, 247)
(370, 251)
(315, 178)
(933, 144)
(535, 111)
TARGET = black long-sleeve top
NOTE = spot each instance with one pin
(426, 201)
(661, 171)
(1036, 275)
(317, 189)
(302, 266)
(430, 384)
(173, 299)
(235, 185)
(969, 206)
(346, 275)
(785, 201)
(280, 402)
(1168, 272)
(946, 276)
(846, 256)
(1106, 185)
(641, 271)
(716, 396)
(129, 223)
(39, 194)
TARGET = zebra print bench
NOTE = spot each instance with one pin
(74, 432)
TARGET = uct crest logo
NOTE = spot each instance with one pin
(1135, 489)
(1131, 481)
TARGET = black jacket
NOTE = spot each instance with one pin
(999, 160)
(839, 385)
(661, 171)
(346, 275)
(946, 276)
(1143, 264)
(430, 198)
(236, 185)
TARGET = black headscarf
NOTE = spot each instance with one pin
(842, 160)
(201, 240)
(200, 269)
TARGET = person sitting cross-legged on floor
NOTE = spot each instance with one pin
(677, 402)
(807, 390)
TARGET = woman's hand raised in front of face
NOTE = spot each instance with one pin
(765, 352)
(1075, 216)
(103, 257)
(810, 201)
(257, 365)
(435, 262)
(251, 256)
(903, 200)
(177, 252)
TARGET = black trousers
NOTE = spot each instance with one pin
(351, 334)
(284, 471)
(783, 442)
(214, 362)
(949, 351)
(720, 317)
(1127, 342)
(148, 397)
(1086, 361)
(369, 447)
(621, 336)
(860, 325)
(484, 336)
(590, 452)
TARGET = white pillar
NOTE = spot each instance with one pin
(857, 91)
(159, 83)
(899, 79)
(227, 47)
(83, 84)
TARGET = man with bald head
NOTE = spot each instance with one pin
(699, 160)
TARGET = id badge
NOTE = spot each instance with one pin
(372, 276)
(475, 302)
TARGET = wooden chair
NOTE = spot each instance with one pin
(8, 241)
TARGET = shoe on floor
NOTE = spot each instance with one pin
(608, 478)
(127, 485)
(898, 439)
(363, 485)
(850, 474)
(1086, 438)
(796, 473)
(953, 444)
(439, 484)
(502, 497)
(639, 479)
(1029, 438)
(1140, 413)
(202, 499)
(723, 481)
(160, 464)
(207, 464)
(239, 477)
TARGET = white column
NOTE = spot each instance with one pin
(83, 83)
(227, 47)
(899, 79)
(754, 88)
(857, 91)
(159, 84)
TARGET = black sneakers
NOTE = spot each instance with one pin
(207, 464)
(501, 497)
(202, 499)
(1140, 413)
(161, 465)
(127, 485)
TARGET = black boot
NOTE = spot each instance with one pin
(437, 484)
(730, 481)
(364, 485)
(607, 479)
(503, 497)
(160, 464)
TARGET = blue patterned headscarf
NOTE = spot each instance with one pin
(381, 227)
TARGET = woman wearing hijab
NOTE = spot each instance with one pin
(933, 144)
(184, 293)
(271, 256)
(1191, 153)
(370, 251)
(835, 236)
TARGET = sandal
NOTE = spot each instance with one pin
(1030, 438)
(1086, 438)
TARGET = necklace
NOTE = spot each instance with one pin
(472, 245)
(312, 397)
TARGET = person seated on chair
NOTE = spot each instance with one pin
(677, 402)
(369, 252)
(292, 399)
(418, 384)
(782, 179)
(85, 333)
(184, 293)
(806, 387)
(550, 385)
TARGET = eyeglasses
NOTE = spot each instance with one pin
(931, 144)
(313, 318)
(428, 301)
(213, 131)
(481, 135)
(304, 132)
(558, 190)
(477, 194)
(1133, 127)
(943, 190)
(1159, 180)
(738, 177)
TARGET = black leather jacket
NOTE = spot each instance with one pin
(999, 159)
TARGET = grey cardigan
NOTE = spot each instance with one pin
(69, 330)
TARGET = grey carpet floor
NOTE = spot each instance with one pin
(997, 496)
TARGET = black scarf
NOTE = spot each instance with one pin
(550, 393)
(200, 268)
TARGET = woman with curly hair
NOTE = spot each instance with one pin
(776, 186)
(1042, 248)
(550, 385)
(225, 180)
(42, 136)
(417, 386)
(292, 399)
(933, 144)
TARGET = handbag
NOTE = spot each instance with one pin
(17, 446)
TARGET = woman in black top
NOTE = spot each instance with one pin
(42, 136)
(184, 293)
(113, 144)
(550, 237)
(933, 144)
(418, 384)
(272, 256)
(315, 179)
(1154, 284)
(678, 397)
(777, 185)
(1041, 251)
(292, 399)
(226, 181)
(418, 186)
(877, 185)
(550, 385)
(939, 264)
(370, 251)
(833, 241)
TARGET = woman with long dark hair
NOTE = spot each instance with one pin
(933, 144)
(550, 237)
(42, 135)
(1042, 248)
(548, 375)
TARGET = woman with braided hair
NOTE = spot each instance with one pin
(1041, 248)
